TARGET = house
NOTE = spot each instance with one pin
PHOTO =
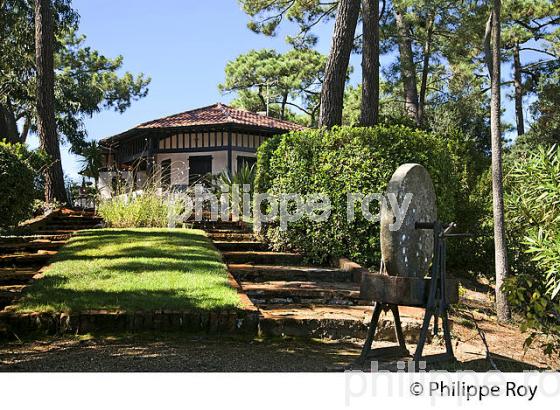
(177, 150)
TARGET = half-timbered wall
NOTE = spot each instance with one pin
(197, 140)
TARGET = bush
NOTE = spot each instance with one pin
(18, 174)
(473, 207)
(145, 210)
(533, 213)
(345, 160)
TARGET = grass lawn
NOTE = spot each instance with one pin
(133, 269)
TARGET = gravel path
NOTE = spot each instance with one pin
(175, 355)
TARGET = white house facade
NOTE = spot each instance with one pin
(175, 151)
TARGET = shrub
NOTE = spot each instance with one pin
(345, 160)
(144, 210)
(225, 180)
(473, 207)
(533, 213)
(18, 174)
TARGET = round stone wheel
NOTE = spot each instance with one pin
(409, 251)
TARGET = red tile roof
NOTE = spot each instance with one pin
(216, 114)
(219, 114)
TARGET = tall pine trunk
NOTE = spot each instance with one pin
(518, 85)
(500, 247)
(332, 92)
(427, 53)
(369, 114)
(46, 125)
(408, 70)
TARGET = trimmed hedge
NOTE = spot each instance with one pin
(351, 160)
(17, 184)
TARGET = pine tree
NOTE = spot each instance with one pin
(46, 125)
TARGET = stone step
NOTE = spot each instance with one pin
(11, 276)
(335, 322)
(263, 273)
(263, 258)
(76, 219)
(222, 225)
(305, 292)
(85, 216)
(65, 227)
(8, 294)
(227, 235)
(31, 237)
(55, 232)
(32, 245)
(240, 246)
(26, 259)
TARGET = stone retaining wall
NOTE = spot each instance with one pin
(235, 321)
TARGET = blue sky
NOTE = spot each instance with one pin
(183, 45)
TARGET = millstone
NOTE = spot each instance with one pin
(408, 251)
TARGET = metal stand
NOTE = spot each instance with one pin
(399, 350)
(436, 306)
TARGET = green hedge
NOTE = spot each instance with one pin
(17, 183)
(345, 160)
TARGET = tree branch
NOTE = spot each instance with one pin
(538, 51)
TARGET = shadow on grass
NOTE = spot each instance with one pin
(138, 252)
(188, 266)
(72, 300)
(95, 239)
(133, 269)
(180, 245)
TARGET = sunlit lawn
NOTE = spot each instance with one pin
(133, 269)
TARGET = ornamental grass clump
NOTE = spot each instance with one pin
(143, 210)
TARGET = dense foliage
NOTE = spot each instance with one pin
(354, 160)
(19, 173)
(262, 78)
(444, 42)
(86, 81)
(533, 210)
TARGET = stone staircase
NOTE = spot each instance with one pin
(294, 298)
(24, 254)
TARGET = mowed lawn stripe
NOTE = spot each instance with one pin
(131, 270)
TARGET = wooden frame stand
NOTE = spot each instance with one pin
(411, 292)
(399, 350)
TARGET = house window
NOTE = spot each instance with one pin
(199, 167)
(245, 161)
(166, 174)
